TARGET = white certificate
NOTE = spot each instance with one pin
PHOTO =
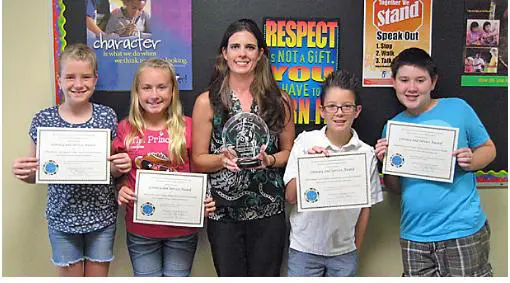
(339, 181)
(420, 151)
(73, 156)
(170, 198)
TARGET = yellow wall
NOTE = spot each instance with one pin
(27, 88)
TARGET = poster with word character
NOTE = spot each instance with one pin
(125, 33)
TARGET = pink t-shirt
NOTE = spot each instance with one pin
(151, 152)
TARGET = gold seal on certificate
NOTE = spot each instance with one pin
(169, 198)
(73, 156)
(339, 181)
(245, 133)
(420, 151)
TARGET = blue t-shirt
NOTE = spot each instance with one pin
(91, 9)
(436, 211)
(74, 208)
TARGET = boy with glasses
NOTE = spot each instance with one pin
(325, 243)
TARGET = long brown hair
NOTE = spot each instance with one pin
(264, 89)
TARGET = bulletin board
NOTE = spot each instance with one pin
(211, 18)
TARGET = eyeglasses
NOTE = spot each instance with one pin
(333, 108)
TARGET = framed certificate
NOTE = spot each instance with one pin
(339, 181)
(420, 151)
(73, 156)
(170, 198)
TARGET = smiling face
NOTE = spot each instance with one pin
(242, 53)
(339, 120)
(154, 91)
(413, 85)
(77, 79)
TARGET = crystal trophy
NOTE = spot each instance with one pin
(243, 134)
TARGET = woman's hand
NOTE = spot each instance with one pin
(229, 159)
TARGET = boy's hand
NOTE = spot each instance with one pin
(24, 168)
(210, 206)
(464, 158)
(318, 150)
(126, 195)
(380, 148)
(121, 162)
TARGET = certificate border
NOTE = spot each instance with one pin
(104, 180)
(333, 207)
(158, 222)
(420, 176)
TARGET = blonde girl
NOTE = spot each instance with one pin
(157, 136)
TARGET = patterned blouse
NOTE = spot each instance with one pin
(248, 194)
(74, 208)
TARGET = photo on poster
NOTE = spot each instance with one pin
(121, 18)
(482, 60)
(482, 32)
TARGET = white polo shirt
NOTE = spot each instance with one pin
(327, 233)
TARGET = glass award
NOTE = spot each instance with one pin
(243, 134)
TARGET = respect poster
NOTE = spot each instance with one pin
(302, 54)
(122, 41)
(391, 26)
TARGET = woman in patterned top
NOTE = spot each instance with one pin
(81, 218)
(247, 230)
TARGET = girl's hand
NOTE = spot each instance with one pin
(464, 158)
(24, 168)
(229, 159)
(121, 163)
(380, 148)
(126, 195)
(318, 150)
(210, 206)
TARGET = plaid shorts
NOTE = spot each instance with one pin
(468, 256)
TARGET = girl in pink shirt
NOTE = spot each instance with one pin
(157, 136)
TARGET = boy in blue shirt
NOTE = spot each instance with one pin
(443, 230)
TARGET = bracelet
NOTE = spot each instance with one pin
(274, 161)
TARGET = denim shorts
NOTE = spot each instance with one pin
(70, 248)
(158, 257)
(302, 264)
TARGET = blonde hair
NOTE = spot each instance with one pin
(175, 123)
(78, 52)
